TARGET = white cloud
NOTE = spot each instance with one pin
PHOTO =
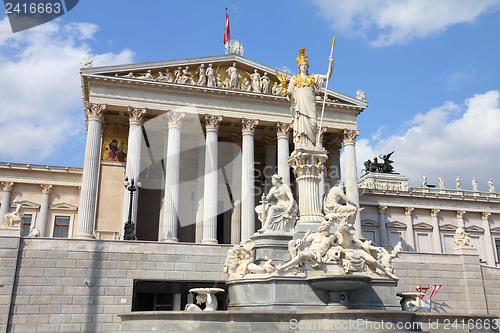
(447, 141)
(40, 94)
(400, 21)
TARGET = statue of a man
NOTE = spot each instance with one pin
(319, 244)
(302, 92)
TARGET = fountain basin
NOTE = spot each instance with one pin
(340, 282)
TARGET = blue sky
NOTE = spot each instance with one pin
(429, 68)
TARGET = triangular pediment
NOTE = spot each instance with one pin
(149, 74)
(474, 229)
(448, 227)
(495, 231)
(64, 206)
(422, 226)
(27, 204)
(396, 225)
(369, 223)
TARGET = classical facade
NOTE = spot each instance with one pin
(203, 139)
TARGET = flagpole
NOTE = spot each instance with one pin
(324, 98)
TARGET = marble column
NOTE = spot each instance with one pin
(4, 209)
(334, 160)
(88, 193)
(283, 133)
(460, 218)
(133, 166)
(41, 224)
(436, 237)
(382, 227)
(247, 179)
(210, 194)
(236, 190)
(172, 173)
(410, 236)
(351, 173)
(488, 241)
(270, 161)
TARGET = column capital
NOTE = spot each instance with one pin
(460, 214)
(7, 186)
(269, 143)
(282, 130)
(136, 115)
(212, 122)
(350, 136)
(175, 118)
(46, 188)
(248, 125)
(94, 111)
(485, 215)
(435, 212)
(382, 209)
(409, 210)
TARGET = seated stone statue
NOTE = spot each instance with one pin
(334, 210)
(461, 239)
(279, 215)
(13, 219)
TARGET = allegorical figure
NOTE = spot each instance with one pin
(13, 220)
(233, 77)
(279, 215)
(302, 93)
(334, 210)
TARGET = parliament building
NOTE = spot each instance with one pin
(202, 138)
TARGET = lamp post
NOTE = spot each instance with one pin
(129, 233)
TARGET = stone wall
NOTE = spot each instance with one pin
(460, 275)
(50, 294)
(491, 276)
(8, 262)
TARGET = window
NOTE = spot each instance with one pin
(26, 224)
(61, 227)
(449, 245)
(370, 235)
(394, 238)
(477, 242)
(422, 242)
(497, 245)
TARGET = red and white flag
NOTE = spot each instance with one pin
(227, 35)
(435, 289)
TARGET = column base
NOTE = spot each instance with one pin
(170, 240)
(209, 241)
(84, 236)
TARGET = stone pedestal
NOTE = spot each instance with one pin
(10, 232)
(307, 166)
(273, 244)
(466, 251)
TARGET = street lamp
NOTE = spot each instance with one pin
(129, 233)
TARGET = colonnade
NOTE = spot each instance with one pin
(169, 221)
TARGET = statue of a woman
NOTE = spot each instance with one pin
(302, 90)
(280, 215)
